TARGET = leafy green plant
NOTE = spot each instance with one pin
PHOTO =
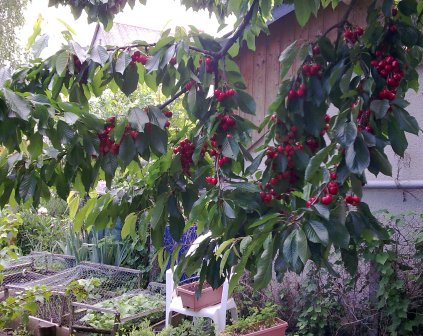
(41, 232)
(127, 305)
(317, 305)
(399, 312)
(10, 223)
(22, 305)
(83, 289)
(259, 319)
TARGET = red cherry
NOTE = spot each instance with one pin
(316, 50)
(332, 175)
(393, 29)
(360, 31)
(394, 11)
(333, 188)
(327, 199)
(301, 90)
(292, 94)
(115, 148)
(172, 61)
(134, 134)
(274, 181)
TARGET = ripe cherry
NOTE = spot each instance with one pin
(333, 188)
(327, 199)
(134, 134)
(316, 50)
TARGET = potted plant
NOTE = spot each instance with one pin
(208, 296)
(260, 323)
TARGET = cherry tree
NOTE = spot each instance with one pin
(304, 203)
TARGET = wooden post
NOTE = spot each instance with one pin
(116, 324)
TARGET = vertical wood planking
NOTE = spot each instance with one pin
(273, 69)
(259, 80)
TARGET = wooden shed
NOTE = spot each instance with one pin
(260, 68)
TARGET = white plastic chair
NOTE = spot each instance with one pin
(217, 312)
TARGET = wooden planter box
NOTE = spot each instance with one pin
(278, 329)
(208, 297)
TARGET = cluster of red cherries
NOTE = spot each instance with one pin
(106, 143)
(222, 94)
(389, 68)
(363, 118)
(211, 180)
(351, 34)
(209, 64)
(186, 149)
(294, 93)
(332, 189)
(226, 122)
(311, 69)
(138, 57)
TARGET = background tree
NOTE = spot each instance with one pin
(11, 18)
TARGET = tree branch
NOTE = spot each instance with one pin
(238, 32)
(148, 45)
(172, 99)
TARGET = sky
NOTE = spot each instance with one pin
(157, 15)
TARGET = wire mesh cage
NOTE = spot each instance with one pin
(109, 315)
(34, 266)
(87, 283)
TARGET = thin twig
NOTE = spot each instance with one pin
(148, 45)
(344, 20)
(172, 99)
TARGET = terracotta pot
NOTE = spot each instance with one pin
(278, 329)
(208, 297)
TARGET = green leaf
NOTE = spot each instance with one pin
(99, 55)
(129, 225)
(326, 48)
(245, 102)
(138, 118)
(127, 150)
(122, 62)
(35, 32)
(110, 164)
(129, 80)
(73, 204)
(61, 62)
(287, 58)
(316, 232)
(379, 107)
(350, 259)
(316, 161)
(35, 146)
(227, 209)
(303, 10)
(346, 133)
(357, 156)
(397, 138)
(380, 161)
(264, 271)
(406, 122)
(17, 104)
(153, 63)
(157, 211)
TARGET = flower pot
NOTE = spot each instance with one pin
(208, 297)
(278, 328)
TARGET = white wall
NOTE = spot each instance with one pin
(409, 168)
